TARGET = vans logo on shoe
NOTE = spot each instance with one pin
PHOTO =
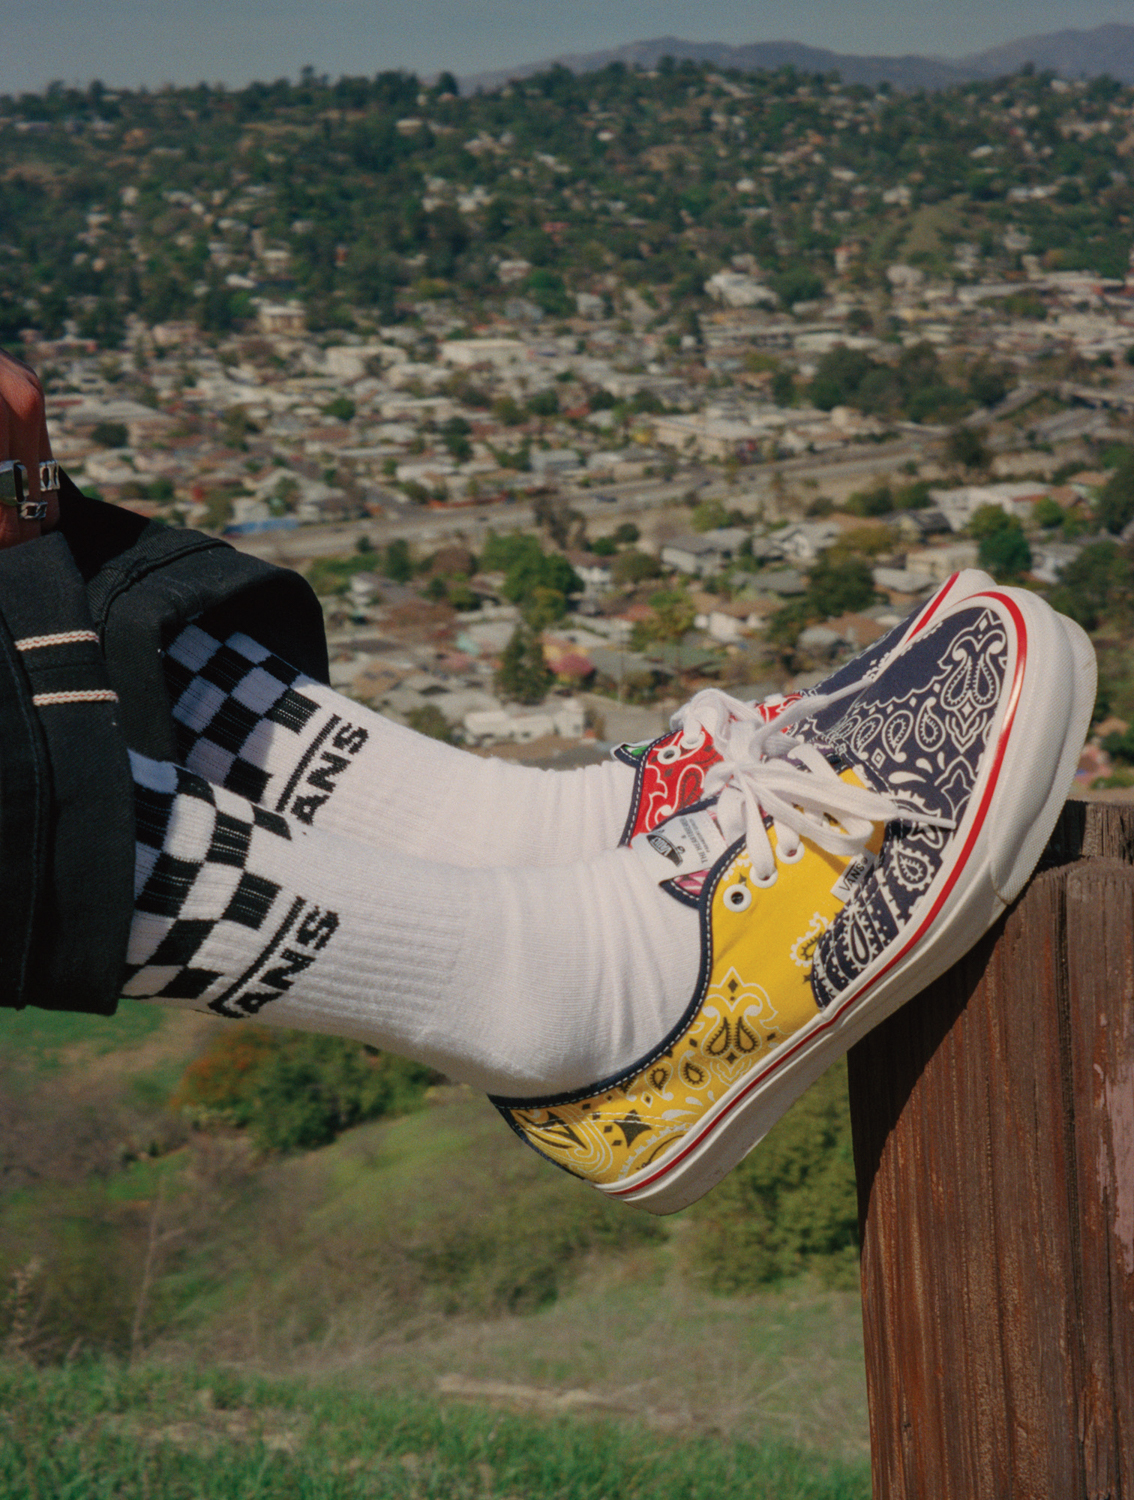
(853, 876)
(667, 850)
(683, 845)
(316, 775)
(302, 935)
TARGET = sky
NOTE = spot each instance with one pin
(128, 43)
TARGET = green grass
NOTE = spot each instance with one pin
(100, 1430)
(39, 1039)
(411, 1253)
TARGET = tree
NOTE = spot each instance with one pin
(1116, 498)
(988, 386)
(1098, 582)
(548, 292)
(879, 502)
(709, 515)
(544, 607)
(110, 434)
(783, 388)
(524, 675)
(789, 1206)
(217, 313)
(1048, 513)
(797, 285)
(397, 564)
(988, 520)
(839, 585)
(672, 620)
(1005, 553)
(839, 377)
(965, 446)
(535, 569)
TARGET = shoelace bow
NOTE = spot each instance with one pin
(764, 768)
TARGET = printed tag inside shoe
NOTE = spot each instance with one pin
(683, 845)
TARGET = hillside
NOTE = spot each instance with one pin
(367, 200)
(1069, 54)
(429, 1253)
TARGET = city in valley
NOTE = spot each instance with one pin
(579, 395)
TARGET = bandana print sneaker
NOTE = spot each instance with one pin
(848, 868)
(671, 770)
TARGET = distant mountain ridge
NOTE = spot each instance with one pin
(1070, 54)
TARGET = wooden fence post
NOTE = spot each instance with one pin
(994, 1146)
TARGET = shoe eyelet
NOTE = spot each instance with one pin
(762, 882)
(737, 897)
(792, 857)
(669, 753)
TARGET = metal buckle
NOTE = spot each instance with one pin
(48, 476)
(14, 492)
(13, 482)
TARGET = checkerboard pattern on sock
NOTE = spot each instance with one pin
(251, 723)
(513, 980)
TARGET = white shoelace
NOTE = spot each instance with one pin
(764, 768)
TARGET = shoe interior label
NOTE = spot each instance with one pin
(684, 845)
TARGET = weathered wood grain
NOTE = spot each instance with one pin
(994, 1143)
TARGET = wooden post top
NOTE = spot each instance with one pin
(994, 1142)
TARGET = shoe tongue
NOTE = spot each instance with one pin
(836, 752)
(822, 732)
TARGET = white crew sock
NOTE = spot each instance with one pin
(250, 723)
(518, 981)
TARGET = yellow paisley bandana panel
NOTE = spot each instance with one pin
(757, 995)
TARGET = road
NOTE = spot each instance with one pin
(428, 528)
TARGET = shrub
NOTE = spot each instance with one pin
(635, 566)
(397, 564)
(430, 721)
(878, 502)
(544, 403)
(791, 1205)
(110, 434)
(294, 1091)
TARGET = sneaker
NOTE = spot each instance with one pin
(856, 863)
(671, 770)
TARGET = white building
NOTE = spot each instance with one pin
(735, 289)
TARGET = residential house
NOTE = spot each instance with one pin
(803, 541)
(940, 563)
(705, 554)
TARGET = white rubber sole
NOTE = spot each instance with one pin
(1012, 812)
